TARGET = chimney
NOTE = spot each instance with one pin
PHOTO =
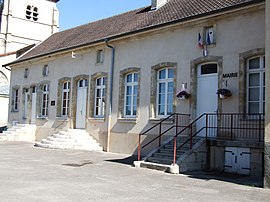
(156, 4)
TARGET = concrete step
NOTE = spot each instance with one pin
(46, 141)
(155, 166)
(70, 139)
(167, 161)
(69, 147)
(20, 132)
(170, 150)
(184, 147)
(166, 155)
(194, 141)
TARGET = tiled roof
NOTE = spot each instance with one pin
(132, 22)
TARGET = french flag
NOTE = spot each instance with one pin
(200, 43)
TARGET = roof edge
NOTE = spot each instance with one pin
(230, 8)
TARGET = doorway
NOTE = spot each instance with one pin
(26, 100)
(34, 104)
(237, 160)
(81, 103)
(207, 100)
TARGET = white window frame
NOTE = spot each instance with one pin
(133, 96)
(166, 81)
(65, 93)
(261, 72)
(16, 100)
(45, 70)
(100, 56)
(26, 73)
(45, 100)
(212, 37)
(100, 105)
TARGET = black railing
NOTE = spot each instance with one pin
(227, 126)
(177, 120)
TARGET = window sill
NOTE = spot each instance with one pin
(97, 120)
(14, 111)
(212, 45)
(43, 118)
(99, 63)
(62, 118)
(158, 120)
(128, 120)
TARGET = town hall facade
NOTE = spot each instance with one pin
(118, 77)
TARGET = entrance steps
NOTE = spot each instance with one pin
(19, 132)
(72, 139)
(187, 159)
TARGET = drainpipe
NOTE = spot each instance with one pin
(7, 26)
(111, 93)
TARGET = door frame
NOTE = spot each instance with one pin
(204, 79)
(83, 87)
(193, 80)
(74, 87)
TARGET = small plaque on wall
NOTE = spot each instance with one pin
(53, 103)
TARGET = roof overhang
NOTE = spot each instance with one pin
(147, 29)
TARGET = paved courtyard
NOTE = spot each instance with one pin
(33, 174)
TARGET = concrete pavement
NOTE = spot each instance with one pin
(30, 174)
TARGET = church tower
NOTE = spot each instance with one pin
(26, 22)
(22, 23)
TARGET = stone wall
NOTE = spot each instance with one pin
(267, 99)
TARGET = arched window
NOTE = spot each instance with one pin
(31, 12)
(35, 14)
(131, 94)
(65, 98)
(15, 99)
(100, 94)
(165, 86)
(45, 100)
(28, 14)
(256, 84)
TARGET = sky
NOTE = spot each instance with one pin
(75, 13)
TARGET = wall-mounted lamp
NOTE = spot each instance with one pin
(205, 52)
(183, 93)
(73, 55)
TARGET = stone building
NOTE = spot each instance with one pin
(175, 60)
(22, 24)
(267, 103)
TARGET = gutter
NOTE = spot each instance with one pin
(111, 92)
(7, 26)
(146, 29)
(9, 69)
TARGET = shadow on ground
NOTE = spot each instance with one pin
(252, 181)
(127, 161)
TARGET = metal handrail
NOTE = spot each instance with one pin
(217, 127)
(160, 133)
(158, 137)
(165, 119)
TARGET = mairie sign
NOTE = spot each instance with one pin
(230, 75)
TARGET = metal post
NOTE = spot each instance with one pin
(190, 136)
(231, 126)
(260, 127)
(159, 139)
(174, 151)
(206, 128)
(176, 124)
(139, 148)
